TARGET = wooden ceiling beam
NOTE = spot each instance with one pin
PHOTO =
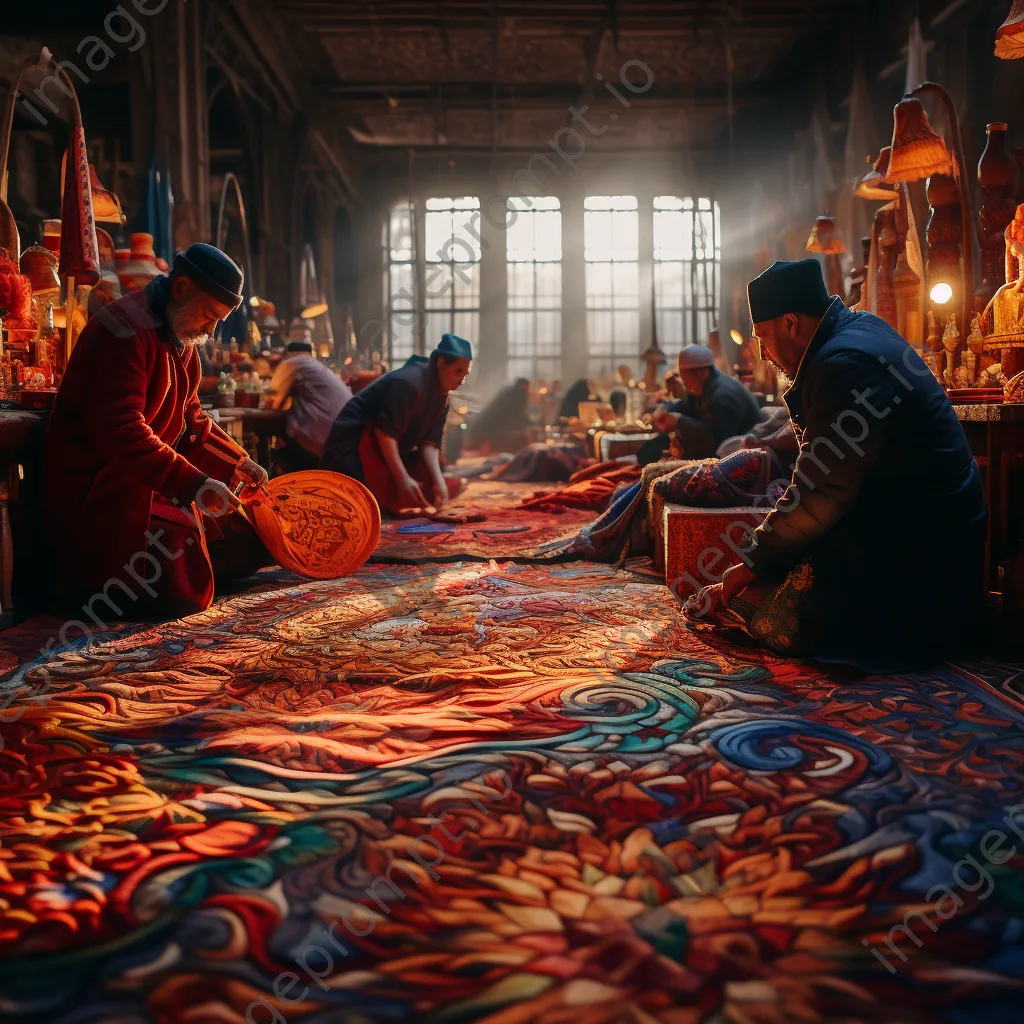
(468, 95)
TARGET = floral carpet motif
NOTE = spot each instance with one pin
(506, 532)
(504, 793)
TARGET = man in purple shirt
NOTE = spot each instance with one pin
(317, 395)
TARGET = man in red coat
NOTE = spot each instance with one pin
(137, 478)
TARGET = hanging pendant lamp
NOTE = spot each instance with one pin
(917, 151)
(1010, 35)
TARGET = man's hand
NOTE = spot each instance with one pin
(410, 495)
(250, 473)
(439, 493)
(665, 422)
(711, 601)
(735, 581)
(216, 499)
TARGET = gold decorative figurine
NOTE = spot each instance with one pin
(1003, 319)
(950, 342)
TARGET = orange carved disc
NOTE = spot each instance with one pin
(318, 524)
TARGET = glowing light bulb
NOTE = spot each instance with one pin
(736, 337)
(941, 293)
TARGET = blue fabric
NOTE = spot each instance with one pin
(606, 536)
(158, 210)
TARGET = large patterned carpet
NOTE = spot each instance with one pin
(500, 793)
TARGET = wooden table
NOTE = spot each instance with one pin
(995, 433)
(265, 424)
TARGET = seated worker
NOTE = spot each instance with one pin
(716, 407)
(316, 394)
(581, 391)
(619, 401)
(137, 479)
(389, 436)
(874, 554)
(501, 425)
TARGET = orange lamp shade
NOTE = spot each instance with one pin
(917, 150)
(39, 265)
(106, 207)
(1010, 35)
(872, 185)
(824, 238)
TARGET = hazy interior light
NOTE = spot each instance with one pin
(941, 293)
(736, 337)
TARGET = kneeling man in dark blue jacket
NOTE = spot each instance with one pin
(874, 554)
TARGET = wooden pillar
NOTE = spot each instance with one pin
(574, 293)
(492, 343)
(370, 320)
(201, 126)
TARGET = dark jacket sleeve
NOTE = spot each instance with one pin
(701, 436)
(697, 436)
(397, 408)
(848, 402)
(435, 435)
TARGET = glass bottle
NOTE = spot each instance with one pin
(49, 350)
(5, 360)
(997, 178)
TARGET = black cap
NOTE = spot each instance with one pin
(788, 288)
(213, 271)
(300, 346)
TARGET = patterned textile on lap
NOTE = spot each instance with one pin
(739, 480)
(613, 819)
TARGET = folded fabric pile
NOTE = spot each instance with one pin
(542, 463)
(591, 489)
